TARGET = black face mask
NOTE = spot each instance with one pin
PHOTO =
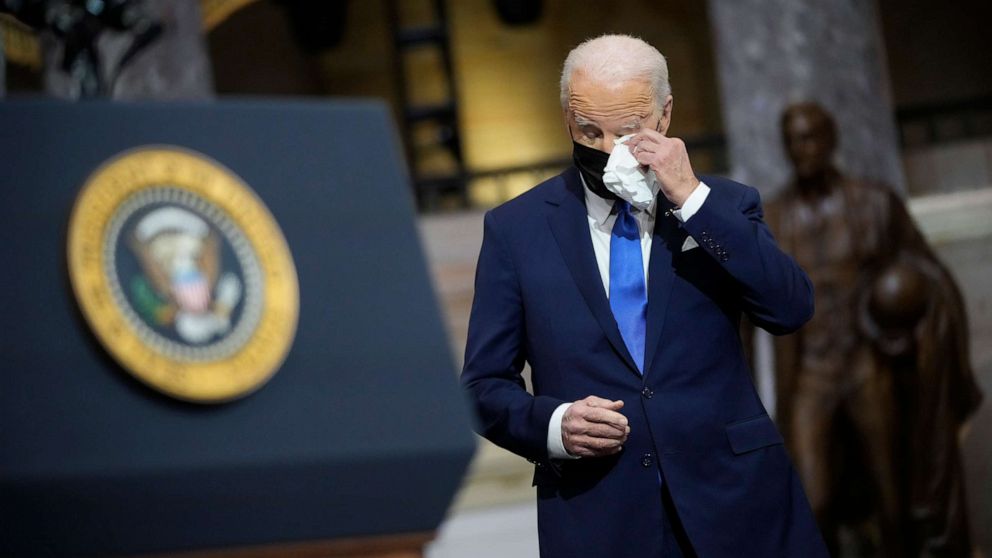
(591, 163)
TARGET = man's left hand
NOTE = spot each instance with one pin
(669, 160)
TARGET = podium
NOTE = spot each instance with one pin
(354, 439)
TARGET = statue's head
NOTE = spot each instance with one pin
(809, 135)
(893, 305)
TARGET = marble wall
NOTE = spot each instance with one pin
(771, 53)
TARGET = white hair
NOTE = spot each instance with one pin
(616, 59)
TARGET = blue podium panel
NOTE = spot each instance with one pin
(363, 429)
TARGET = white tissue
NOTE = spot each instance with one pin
(624, 177)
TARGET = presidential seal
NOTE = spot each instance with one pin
(183, 274)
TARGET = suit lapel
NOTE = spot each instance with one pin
(570, 225)
(667, 240)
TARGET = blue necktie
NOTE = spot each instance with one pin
(628, 295)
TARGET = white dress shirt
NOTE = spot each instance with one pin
(601, 219)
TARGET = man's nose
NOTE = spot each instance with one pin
(608, 140)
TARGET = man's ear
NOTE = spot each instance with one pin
(666, 115)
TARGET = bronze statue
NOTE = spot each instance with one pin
(873, 391)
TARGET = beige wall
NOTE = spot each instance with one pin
(506, 77)
(509, 76)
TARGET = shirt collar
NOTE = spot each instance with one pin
(600, 208)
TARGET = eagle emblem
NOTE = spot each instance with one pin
(183, 274)
(182, 285)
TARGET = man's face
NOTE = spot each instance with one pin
(809, 144)
(599, 113)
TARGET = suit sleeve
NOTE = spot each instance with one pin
(776, 293)
(509, 416)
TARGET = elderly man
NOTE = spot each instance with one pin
(624, 291)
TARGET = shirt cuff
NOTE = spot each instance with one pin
(692, 203)
(556, 447)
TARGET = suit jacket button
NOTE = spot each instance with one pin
(647, 460)
(647, 393)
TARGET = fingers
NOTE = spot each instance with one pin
(593, 427)
(643, 152)
(597, 409)
(654, 141)
(579, 426)
(601, 433)
(594, 401)
(585, 446)
(649, 147)
(669, 159)
(636, 145)
(666, 156)
(607, 417)
(646, 159)
(599, 430)
(646, 135)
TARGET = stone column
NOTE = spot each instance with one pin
(771, 53)
(176, 66)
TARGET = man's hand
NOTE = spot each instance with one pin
(593, 427)
(669, 160)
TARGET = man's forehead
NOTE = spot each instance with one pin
(594, 100)
(620, 111)
(625, 121)
(807, 124)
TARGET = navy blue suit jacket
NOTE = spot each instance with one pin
(694, 414)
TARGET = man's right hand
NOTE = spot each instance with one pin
(593, 427)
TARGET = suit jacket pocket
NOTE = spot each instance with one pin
(752, 433)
